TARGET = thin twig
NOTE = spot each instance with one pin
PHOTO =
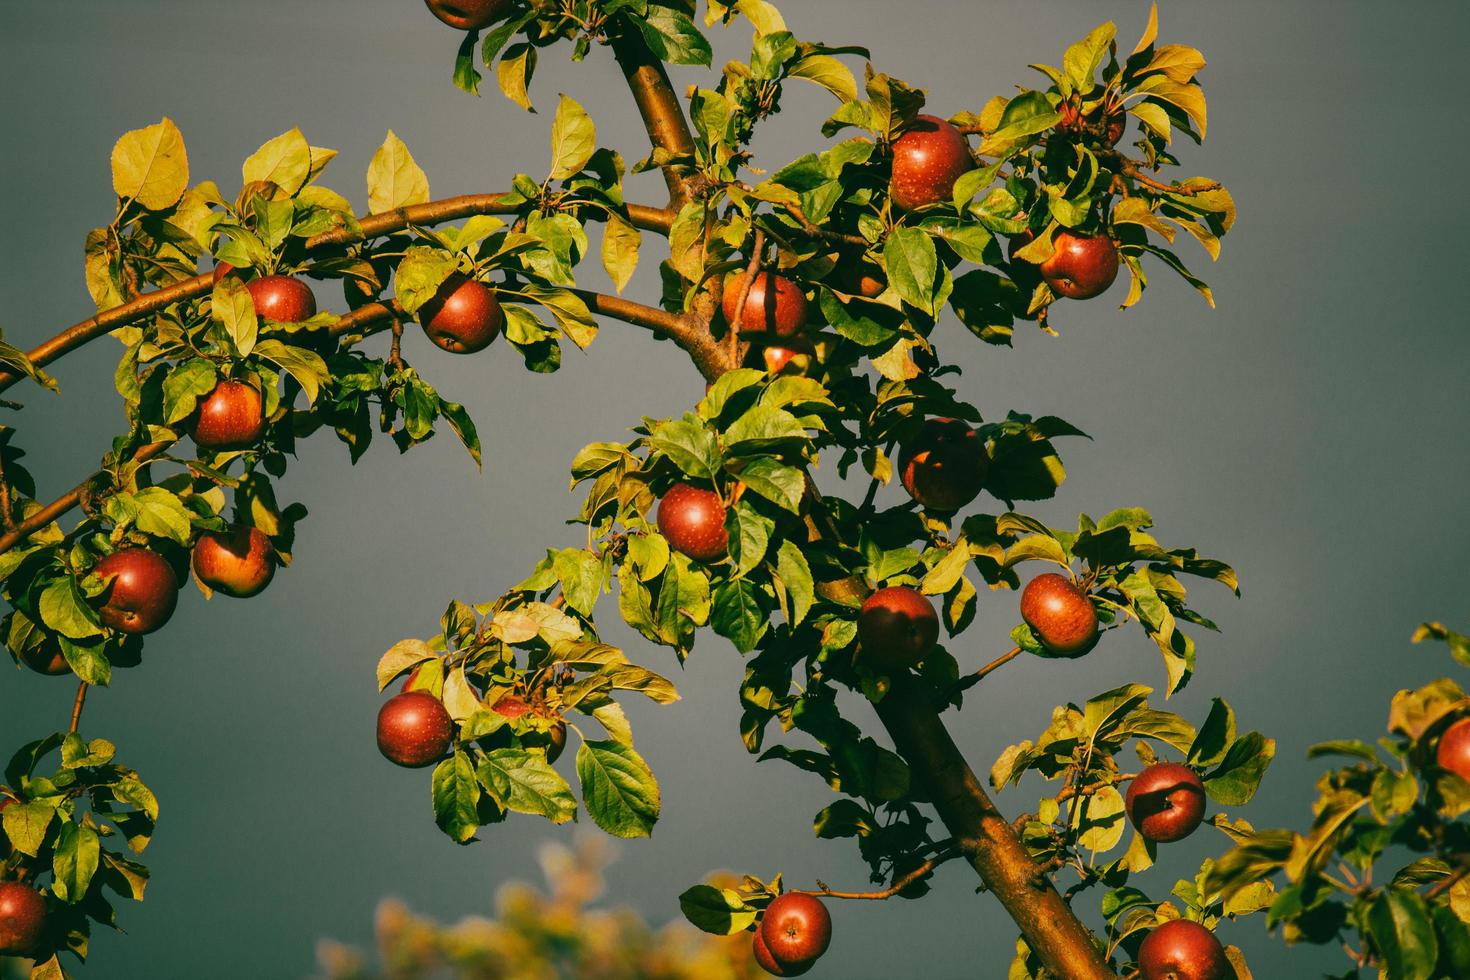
(898, 885)
(76, 708)
(970, 680)
(752, 269)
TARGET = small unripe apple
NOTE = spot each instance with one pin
(558, 743)
(142, 593)
(897, 628)
(796, 930)
(1453, 753)
(775, 305)
(414, 729)
(1082, 267)
(468, 15)
(1060, 614)
(282, 299)
(927, 159)
(463, 316)
(239, 562)
(1183, 950)
(231, 416)
(767, 962)
(1166, 802)
(693, 522)
(22, 918)
(46, 659)
(944, 466)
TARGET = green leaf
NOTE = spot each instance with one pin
(738, 614)
(162, 514)
(1235, 781)
(16, 360)
(1102, 822)
(573, 139)
(456, 798)
(796, 576)
(514, 72)
(912, 267)
(827, 72)
(78, 851)
(581, 576)
(523, 782)
(763, 429)
(420, 274)
(26, 825)
(185, 384)
(1082, 59)
(1402, 930)
(284, 161)
(151, 166)
(620, 244)
(781, 484)
(394, 180)
(689, 445)
(750, 536)
(63, 608)
(618, 788)
(1215, 736)
(459, 420)
(400, 658)
(306, 366)
(720, 911)
(571, 314)
(87, 661)
(672, 37)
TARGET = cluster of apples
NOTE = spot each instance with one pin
(415, 729)
(792, 935)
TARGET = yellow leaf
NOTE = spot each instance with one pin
(151, 166)
(394, 179)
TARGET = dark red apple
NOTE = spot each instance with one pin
(239, 562)
(22, 918)
(1060, 614)
(1166, 802)
(463, 317)
(767, 962)
(944, 466)
(1082, 267)
(468, 15)
(229, 417)
(775, 305)
(142, 590)
(927, 159)
(897, 628)
(46, 659)
(1183, 950)
(693, 522)
(282, 299)
(1453, 753)
(414, 730)
(796, 930)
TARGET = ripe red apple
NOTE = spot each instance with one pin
(221, 270)
(796, 930)
(1082, 267)
(463, 317)
(142, 594)
(693, 521)
(512, 706)
(414, 730)
(1166, 802)
(46, 659)
(1183, 950)
(927, 159)
(22, 918)
(282, 299)
(468, 15)
(944, 466)
(1060, 614)
(767, 962)
(897, 628)
(229, 417)
(775, 304)
(776, 357)
(1453, 753)
(239, 562)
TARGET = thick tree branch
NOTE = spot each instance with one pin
(373, 226)
(668, 130)
(685, 331)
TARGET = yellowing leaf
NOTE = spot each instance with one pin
(284, 161)
(573, 139)
(151, 166)
(394, 180)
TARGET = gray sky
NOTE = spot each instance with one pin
(1313, 431)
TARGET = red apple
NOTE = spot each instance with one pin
(239, 562)
(512, 706)
(22, 918)
(927, 159)
(468, 15)
(282, 299)
(463, 316)
(1082, 267)
(1060, 614)
(775, 304)
(1183, 950)
(796, 930)
(46, 659)
(1075, 123)
(897, 628)
(221, 270)
(693, 522)
(414, 730)
(229, 417)
(778, 356)
(142, 591)
(1453, 753)
(767, 962)
(1166, 802)
(944, 467)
